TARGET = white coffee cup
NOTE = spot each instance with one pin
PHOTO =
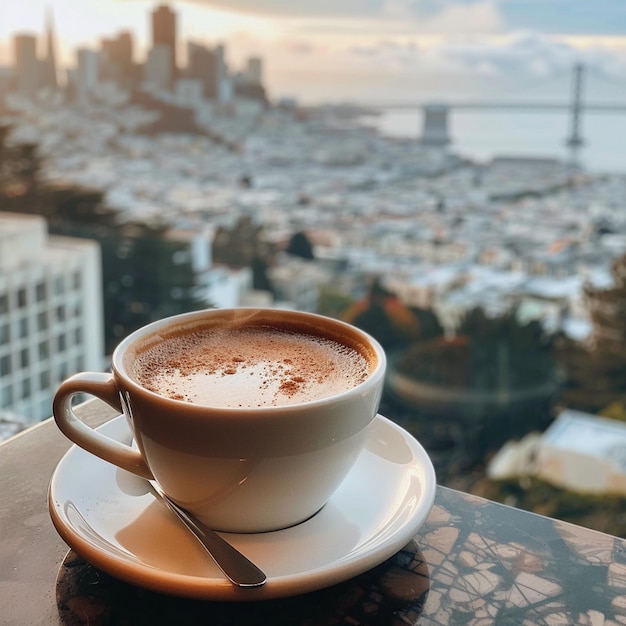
(239, 469)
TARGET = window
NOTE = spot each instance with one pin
(6, 396)
(26, 388)
(78, 336)
(5, 365)
(24, 358)
(61, 343)
(42, 321)
(23, 327)
(21, 297)
(40, 291)
(4, 303)
(4, 333)
(44, 351)
(59, 285)
(60, 313)
(77, 281)
(44, 379)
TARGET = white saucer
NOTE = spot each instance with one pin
(105, 514)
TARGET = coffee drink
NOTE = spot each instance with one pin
(248, 366)
(248, 418)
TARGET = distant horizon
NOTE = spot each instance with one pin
(352, 51)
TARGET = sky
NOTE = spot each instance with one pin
(369, 50)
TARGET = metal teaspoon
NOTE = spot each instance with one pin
(235, 566)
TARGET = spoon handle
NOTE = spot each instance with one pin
(235, 566)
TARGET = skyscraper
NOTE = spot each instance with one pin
(254, 71)
(27, 67)
(117, 61)
(157, 70)
(164, 34)
(206, 66)
(48, 77)
(87, 74)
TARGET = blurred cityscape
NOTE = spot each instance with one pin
(134, 191)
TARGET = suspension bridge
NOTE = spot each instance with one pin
(435, 114)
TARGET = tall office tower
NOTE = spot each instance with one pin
(27, 66)
(51, 322)
(123, 55)
(164, 34)
(203, 64)
(248, 83)
(224, 80)
(48, 76)
(254, 71)
(87, 72)
(108, 69)
(7, 82)
(117, 59)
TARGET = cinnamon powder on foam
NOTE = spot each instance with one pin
(266, 367)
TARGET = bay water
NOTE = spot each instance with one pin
(481, 135)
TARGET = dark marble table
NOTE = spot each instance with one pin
(473, 562)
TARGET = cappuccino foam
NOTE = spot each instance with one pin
(248, 367)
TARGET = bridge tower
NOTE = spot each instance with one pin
(435, 125)
(575, 139)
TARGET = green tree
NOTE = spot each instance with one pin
(595, 368)
(487, 353)
(20, 168)
(241, 245)
(146, 274)
(144, 280)
(333, 303)
(300, 246)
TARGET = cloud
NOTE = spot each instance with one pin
(386, 10)
(301, 48)
(302, 9)
(436, 16)
(523, 53)
(428, 9)
(546, 16)
(520, 54)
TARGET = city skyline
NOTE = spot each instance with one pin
(204, 73)
(336, 52)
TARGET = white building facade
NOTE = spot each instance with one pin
(51, 322)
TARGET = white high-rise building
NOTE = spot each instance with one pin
(86, 74)
(157, 70)
(254, 71)
(51, 319)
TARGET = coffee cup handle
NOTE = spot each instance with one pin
(101, 386)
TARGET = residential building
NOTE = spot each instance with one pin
(50, 313)
(298, 281)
